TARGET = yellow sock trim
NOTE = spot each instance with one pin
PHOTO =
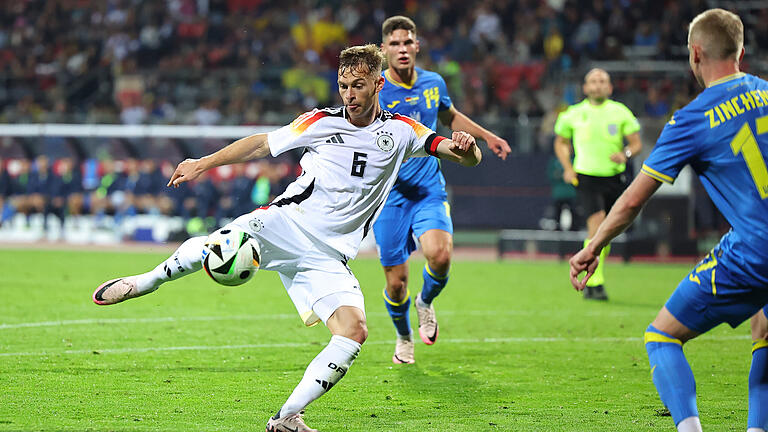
(756, 345)
(657, 337)
(429, 271)
(387, 299)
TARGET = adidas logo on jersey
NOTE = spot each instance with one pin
(336, 139)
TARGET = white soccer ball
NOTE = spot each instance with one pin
(231, 257)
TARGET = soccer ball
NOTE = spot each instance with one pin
(231, 257)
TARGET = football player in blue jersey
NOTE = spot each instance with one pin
(723, 136)
(417, 206)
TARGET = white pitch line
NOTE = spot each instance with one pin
(381, 342)
(94, 321)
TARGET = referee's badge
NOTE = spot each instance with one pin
(613, 129)
(385, 141)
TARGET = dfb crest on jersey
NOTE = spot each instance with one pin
(385, 141)
(613, 129)
(256, 225)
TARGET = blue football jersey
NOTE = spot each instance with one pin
(418, 177)
(723, 136)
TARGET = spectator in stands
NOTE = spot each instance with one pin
(5, 193)
(109, 196)
(19, 198)
(656, 105)
(39, 187)
(646, 35)
(208, 114)
(148, 187)
(66, 190)
(235, 194)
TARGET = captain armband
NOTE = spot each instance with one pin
(431, 144)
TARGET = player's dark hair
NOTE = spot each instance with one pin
(397, 22)
(720, 33)
(362, 59)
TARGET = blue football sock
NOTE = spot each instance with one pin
(399, 313)
(433, 284)
(671, 374)
(758, 386)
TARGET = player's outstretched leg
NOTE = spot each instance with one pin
(399, 312)
(757, 421)
(397, 300)
(673, 378)
(349, 330)
(437, 245)
(433, 284)
(185, 260)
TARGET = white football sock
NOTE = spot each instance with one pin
(322, 373)
(690, 424)
(755, 430)
(186, 260)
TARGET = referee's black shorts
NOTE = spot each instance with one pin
(599, 193)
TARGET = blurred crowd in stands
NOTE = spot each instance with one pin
(111, 190)
(262, 62)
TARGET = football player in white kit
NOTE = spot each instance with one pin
(352, 155)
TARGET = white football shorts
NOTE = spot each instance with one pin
(315, 275)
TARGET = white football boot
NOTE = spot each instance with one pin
(289, 423)
(117, 290)
(428, 329)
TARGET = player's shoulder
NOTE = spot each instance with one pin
(315, 117)
(427, 77)
(318, 113)
(396, 118)
(400, 120)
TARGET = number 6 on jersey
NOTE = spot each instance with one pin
(358, 164)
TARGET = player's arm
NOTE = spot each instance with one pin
(634, 145)
(563, 153)
(457, 121)
(251, 147)
(461, 148)
(622, 214)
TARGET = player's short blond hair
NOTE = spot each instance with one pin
(363, 59)
(719, 32)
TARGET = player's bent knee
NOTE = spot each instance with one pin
(759, 325)
(349, 321)
(357, 331)
(442, 259)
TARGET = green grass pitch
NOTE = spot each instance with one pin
(519, 350)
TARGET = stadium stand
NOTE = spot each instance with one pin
(512, 65)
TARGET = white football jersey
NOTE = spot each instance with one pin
(347, 171)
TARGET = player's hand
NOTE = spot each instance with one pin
(187, 170)
(462, 141)
(498, 146)
(570, 177)
(583, 261)
(619, 157)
